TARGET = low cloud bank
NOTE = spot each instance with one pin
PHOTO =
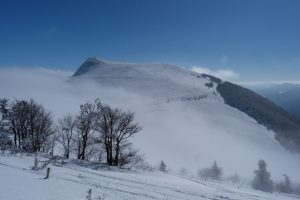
(183, 134)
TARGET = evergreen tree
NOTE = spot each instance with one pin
(162, 166)
(213, 172)
(216, 171)
(285, 186)
(262, 180)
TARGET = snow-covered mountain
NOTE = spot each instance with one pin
(161, 81)
(189, 120)
(186, 121)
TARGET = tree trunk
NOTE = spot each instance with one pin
(15, 139)
(68, 150)
(107, 155)
(117, 154)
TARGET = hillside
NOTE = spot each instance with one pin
(286, 126)
(286, 95)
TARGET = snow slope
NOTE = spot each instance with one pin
(18, 182)
(151, 80)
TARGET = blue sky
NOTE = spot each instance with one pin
(259, 40)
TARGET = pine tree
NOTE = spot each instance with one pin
(262, 180)
(162, 166)
(286, 186)
(216, 171)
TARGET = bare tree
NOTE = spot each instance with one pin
(19, 121)
(115, 128)
(66, 129)
(125, 129)
(5, 141)
(105, 126)
(4, 109)
(30, 124)
(40, 127)
(130, 157)
(85, 122)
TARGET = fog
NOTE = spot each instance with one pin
(189, 134)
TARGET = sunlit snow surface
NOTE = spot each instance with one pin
(18, 182)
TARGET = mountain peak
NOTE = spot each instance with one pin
(89, 64)
(94, 63)
(94, 59)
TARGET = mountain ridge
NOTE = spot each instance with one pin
(286, 95)
(285, 125)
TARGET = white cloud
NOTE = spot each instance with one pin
(220, 73)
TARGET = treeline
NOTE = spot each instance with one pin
(261, 181)
(25, 125)
(98, 132)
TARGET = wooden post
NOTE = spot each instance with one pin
(48, 173)
(89, 195)
(35, 167)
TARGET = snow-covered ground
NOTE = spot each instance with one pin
(19, 182)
